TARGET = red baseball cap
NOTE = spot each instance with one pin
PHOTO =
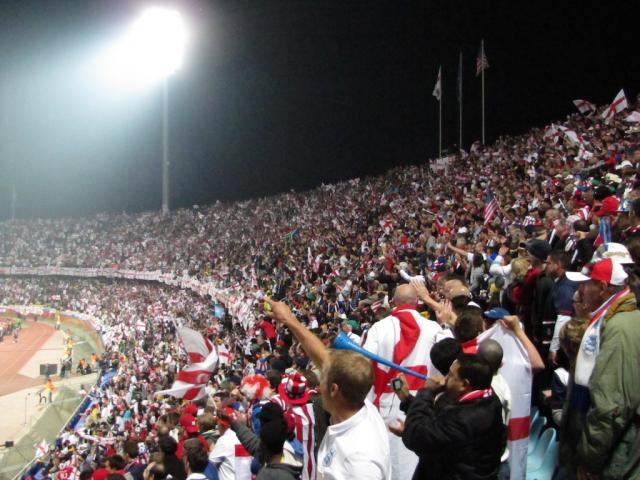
(190, 409)
(609, 206)
(189, 423)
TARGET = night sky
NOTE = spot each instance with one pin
(279, 95)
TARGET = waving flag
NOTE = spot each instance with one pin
(572, 135)
(604, 232)
(619, 103)
(633, 117)
(437, 90)
(68, 471)
(549, 131)
(491, 207)
(482, 63)
(43, 449)
(197, 347)
(584, 106)
(292, 235)
(191, 381)
(516, 370)
(225, 355)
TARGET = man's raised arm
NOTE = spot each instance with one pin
(312, 345)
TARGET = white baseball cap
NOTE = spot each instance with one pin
(625, 163)
(605, 270)
(615, 251)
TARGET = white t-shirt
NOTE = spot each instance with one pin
(354, 338)
(356, 448)
(231, 459)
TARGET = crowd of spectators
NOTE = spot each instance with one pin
(335, 255)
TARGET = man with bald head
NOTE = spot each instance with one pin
(492, 352)
(405, 337)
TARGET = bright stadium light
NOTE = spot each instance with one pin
(151, 50)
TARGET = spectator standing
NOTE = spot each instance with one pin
(196, 463)
(231, 459)
(49, 388)
(356, 445)
(464, 436)
(172, 465)
(134, 468)
(602, 431)
(562, 299)
(405, 338)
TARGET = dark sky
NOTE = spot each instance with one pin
(282, 94)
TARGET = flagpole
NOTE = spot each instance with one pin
(440, 119)
(482, 48)
(13, 201)
(460, 100)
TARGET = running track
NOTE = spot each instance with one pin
(13, 356)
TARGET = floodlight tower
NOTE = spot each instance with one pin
(152, 50)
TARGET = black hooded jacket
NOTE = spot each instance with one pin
(455, 440)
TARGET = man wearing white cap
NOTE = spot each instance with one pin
(604, 405)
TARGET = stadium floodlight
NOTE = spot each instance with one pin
(151, 50)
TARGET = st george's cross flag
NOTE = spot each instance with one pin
(584, 106)
(516, 370)
(619, 104)
(572, 135)
(42, 449)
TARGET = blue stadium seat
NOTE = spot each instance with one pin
(535, 413)
(549, 463)
(544, 448)
(537, 425)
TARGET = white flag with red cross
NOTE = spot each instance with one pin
(516, 370)
(619, 104)
(584, 106)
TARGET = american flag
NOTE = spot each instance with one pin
(491, 206)
(481, 62)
